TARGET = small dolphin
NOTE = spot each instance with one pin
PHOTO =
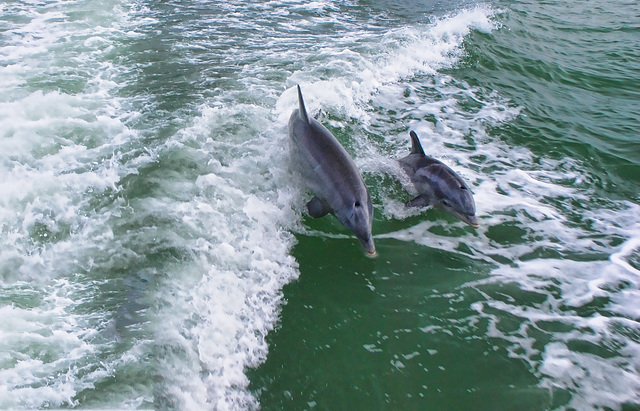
(438, 185)
(331, 175)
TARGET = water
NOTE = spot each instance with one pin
(154, 250)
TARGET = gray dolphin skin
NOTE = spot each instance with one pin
(438, 185)
(331, 175)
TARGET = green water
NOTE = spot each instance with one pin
(571, 67)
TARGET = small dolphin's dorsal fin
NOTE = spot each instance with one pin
(416, 147)
(302, 110)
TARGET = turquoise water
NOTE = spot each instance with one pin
(155, 253)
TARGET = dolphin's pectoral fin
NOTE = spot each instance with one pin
(420, 201)
(317, 208)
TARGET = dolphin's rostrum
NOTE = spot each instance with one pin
(438, 185)
(331, 175)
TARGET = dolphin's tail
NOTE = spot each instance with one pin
(416, 147)
(302, 110)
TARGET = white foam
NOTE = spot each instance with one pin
(242, 218)
(598, 380)
(58, 148)
(42, 346)
(403, 53)
(630, 248)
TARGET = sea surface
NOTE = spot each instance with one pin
(155, 252)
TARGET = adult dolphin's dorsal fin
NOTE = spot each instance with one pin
(416, 147)
(303, 110)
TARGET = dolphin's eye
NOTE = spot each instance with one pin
(463, 188)
(357, 204)
(446, 203)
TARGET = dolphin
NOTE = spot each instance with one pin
(438, 185)
(331, 175)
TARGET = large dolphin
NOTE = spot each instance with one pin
(438, 185)
(331, 175)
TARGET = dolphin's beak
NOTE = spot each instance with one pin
(374, 254)
(472, 221)
(369, 247)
